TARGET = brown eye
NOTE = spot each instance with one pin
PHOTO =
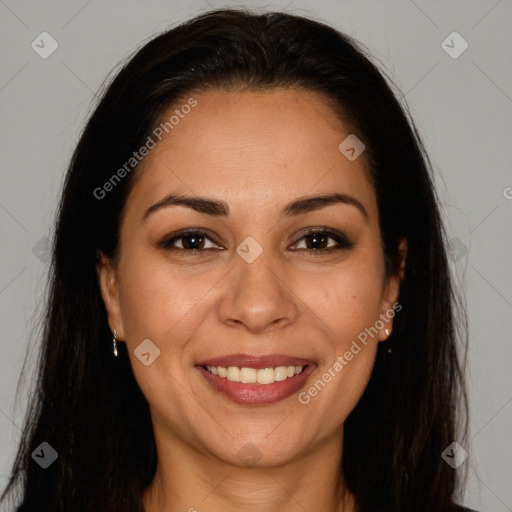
(321, 241)
(189, 241)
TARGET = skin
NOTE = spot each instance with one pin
(257, 151)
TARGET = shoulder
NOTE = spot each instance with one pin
(458, 508)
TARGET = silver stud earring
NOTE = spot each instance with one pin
(114, 343)
(387, 331)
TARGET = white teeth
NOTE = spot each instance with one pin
(233, 374)
(266, 376)
(253, 375)
(247, 375)
(281, 373)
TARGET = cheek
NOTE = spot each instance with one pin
(347, 300)
(345, 304)
(349, 347)
(159, 303)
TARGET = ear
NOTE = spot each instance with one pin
(109, 287)
(391, 293)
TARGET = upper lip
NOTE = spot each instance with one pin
(255, 361)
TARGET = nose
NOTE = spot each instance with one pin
(258, 296)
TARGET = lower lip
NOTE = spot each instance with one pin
(258, 394)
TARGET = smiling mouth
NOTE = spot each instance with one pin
(262, 376)
(257, 380)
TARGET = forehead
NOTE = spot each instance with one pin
(250, 147)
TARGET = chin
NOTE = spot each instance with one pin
(248, 451)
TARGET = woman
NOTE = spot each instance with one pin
(250, 302)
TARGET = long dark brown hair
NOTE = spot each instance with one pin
(87, 404)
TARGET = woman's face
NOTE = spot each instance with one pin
(258, 292)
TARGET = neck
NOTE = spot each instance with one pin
(188, 480)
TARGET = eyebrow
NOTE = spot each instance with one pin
(218, 208)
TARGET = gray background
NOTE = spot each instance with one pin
(462, 108)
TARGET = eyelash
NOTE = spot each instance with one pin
(339, 238)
